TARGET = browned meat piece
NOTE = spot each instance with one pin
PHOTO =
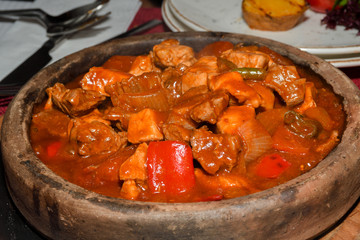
(286, 81)
(75, 102)
(176, 132)
(175, 118)
(235, 85)
(146, 126)
(233, 117)
(209, 109)
(215, 151)
(189, 100)
(171, 78)
(309, 102)
(55, 122)
(248, 59)
(135, 166)
(130, 190)
(92, 135)
(143, 64)
(199, 73)
(98, 78)
(170, 53)
(118, 114)
(266, 94)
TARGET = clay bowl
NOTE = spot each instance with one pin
(299, 209)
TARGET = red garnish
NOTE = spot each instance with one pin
(271, 166)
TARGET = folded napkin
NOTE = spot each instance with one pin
(20, 39)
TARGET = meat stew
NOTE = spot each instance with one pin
(180, 126)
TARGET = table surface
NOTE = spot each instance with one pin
(13, 226)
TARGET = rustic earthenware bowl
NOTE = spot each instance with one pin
(300, 209)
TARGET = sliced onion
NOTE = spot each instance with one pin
(155, 99)
(256, 140)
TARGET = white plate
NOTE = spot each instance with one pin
(171, 21)
(344, 61)
(225, 16)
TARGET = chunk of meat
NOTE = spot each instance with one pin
(189, 100)
(214, 151)
(135, 166)
(247, 59)
(145, 126)
(309, 102)
(186, 122)
(92, 135)
(143, 64)
(75, 102)
(170, 53)
(266, 94)
(330, 143)
(233, 117)
(171, 80)
(229, 186)
(118, 114)
(176, 132)
(199, 73)
(286, 81)
(215, 49)
(210, 108)
(130, 190)
(53, 121)
(98, 77)
(235, 85)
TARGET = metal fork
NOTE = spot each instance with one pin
(72, 16)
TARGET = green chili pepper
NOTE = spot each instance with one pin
(252, 73)
(306, 128)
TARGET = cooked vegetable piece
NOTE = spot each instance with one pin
(170, 167)
(120, 63)
(271, 166)
(251, 73)
(215, 49)
(284, 140)
(296, 123)
(272, 119)
(255, 140)
(321, 115)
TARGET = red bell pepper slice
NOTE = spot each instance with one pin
(271, 166)
(170, 167)
(53, 148)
